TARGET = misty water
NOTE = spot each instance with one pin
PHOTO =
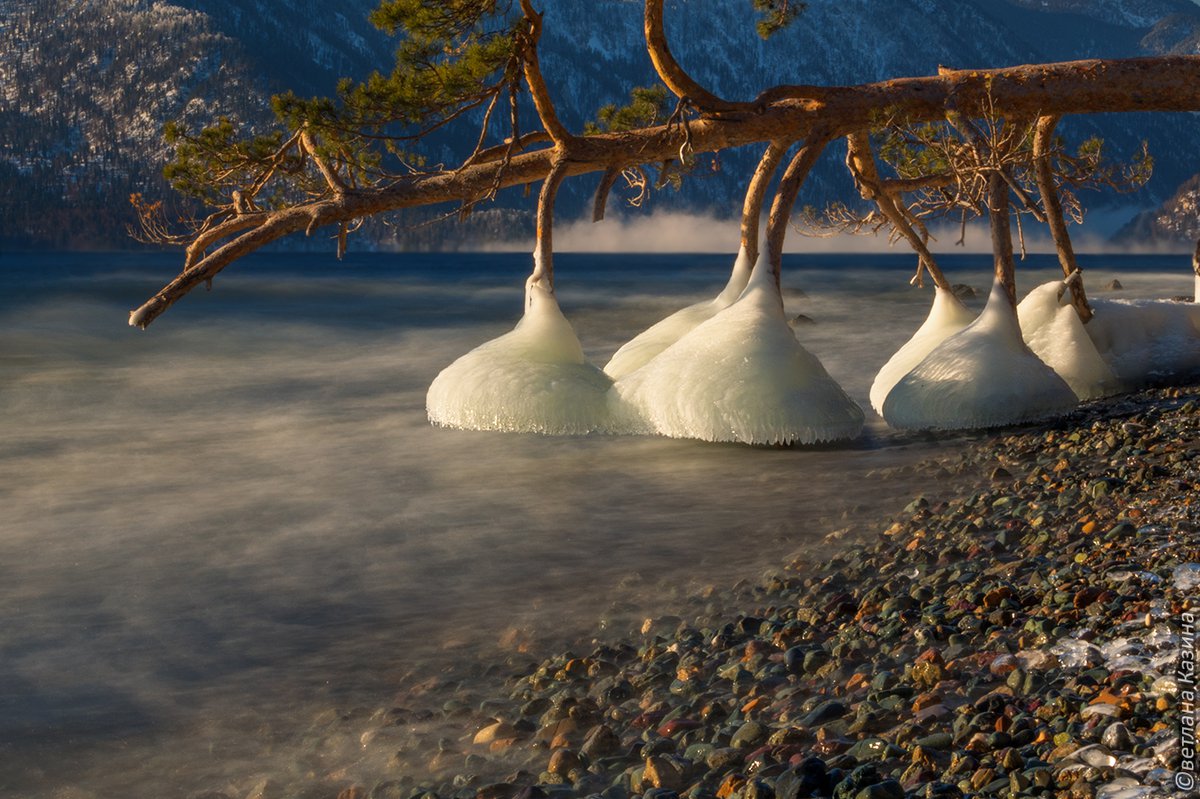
(241, 518)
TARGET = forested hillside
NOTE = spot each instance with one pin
(87, 85)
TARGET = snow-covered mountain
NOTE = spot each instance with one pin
(86, 85)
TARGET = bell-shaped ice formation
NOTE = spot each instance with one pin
(641, 348)
(946, 317)
(533, 379)
(982, 376)
(1052, 329)
(741, 376)
(1147, 341)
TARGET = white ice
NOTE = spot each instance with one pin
(740, 376)
(946, 317)
(533, 379)
(1053, 330)
(637, 352)
(982, 376)
(1145, 341)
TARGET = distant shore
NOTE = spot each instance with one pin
(1022, 638)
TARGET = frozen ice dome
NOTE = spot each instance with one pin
(533, 379)
(982, 376)
(1053, 330)
(638, 351)
(1147, 340)
(740, 376)
(946, 317)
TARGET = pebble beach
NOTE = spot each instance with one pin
(1023, 628)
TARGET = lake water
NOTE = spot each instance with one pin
(241, 517)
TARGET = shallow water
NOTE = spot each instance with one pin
(241, 516)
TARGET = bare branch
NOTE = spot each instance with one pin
(785, 196)
(543, 250)
(600, 204)
(1042, 139)
(861, 161)
(537, 83)
(681, 84)
(756, 192)
(1169, 83)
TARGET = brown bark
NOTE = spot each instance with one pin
(756, 192)
(543, 252)
(1002, 247)
(862, 164)
(1042, 139)
(537, 84)
(681, 84)
(785, 197)
(1079, 87)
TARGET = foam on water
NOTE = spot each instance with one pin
(1052, 329)
(946, 317)
(982, 376)
(739, 376)
(638, 351)
(533, 379)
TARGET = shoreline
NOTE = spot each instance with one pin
(1018, 639)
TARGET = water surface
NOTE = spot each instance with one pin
(241, 517)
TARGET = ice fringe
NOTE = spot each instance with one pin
(1145, 341)
(982, 376)
(739, 376)
(638, 351)
(946, 317)
(1052, 329)
(533, 379)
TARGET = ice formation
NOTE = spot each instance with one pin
(982, 376)
(639, 350)
(1052, 329)
(533, 379)
(946, 317)
(740, 376)
(1145, 341)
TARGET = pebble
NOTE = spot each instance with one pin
(1009, 640)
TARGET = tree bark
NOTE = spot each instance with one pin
(543, 248)
(1042, 139)
(1002, 247)
(1080, 87)
(681, 84)
(785, 197)
(537, 84)
(862, 163)
(756, 192)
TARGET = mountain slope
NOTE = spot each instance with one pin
(85, 86)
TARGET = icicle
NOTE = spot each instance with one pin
(982, 376)
(649, 343)
(740, 376)
(946, 317)
(1052, 329)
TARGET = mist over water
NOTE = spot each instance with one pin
(241, 517)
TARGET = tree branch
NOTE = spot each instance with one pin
(681, 84)
(1042, 140)
(1149, 84)
(537, 83)
(756, 192)
(861, 161)
(600, 204)
(543, 248)
(785, 196)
